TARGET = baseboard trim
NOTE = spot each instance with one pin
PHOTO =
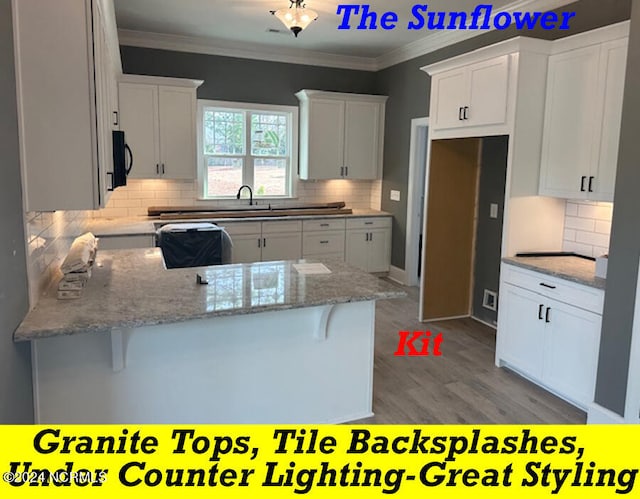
(492, 326)
(398, 275)
(601, 415)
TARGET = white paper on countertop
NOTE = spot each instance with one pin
(311, 268)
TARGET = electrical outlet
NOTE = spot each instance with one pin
(493, 210)
(395, 195)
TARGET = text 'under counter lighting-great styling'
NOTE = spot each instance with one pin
(297, 17)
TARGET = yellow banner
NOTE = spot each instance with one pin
(319, 461)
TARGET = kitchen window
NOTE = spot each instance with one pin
(246, 144)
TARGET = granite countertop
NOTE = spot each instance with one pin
(131, 288)
(142, 226)
(571, 268)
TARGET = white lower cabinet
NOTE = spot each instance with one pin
(361, 242)
(265, 241)
(323, 238)
(368, 243)
(548, 331)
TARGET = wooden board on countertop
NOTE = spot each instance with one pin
(257, 213)
(161, 210)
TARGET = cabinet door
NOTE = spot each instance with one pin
(613, 65)
(361, 136)
(520, 330)
(287, 246)
(571, 130)
(571, 351)
(357, 248)
(326, 139)
(450, 93)
(246, 248)
(177, 132)
(379, 252)
(139, 120)
(104, 122)
(489, 92)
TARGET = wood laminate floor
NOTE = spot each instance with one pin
(463, 386)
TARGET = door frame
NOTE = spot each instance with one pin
(414, 203)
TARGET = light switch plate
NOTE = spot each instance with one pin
(493, 210)
(395, 195)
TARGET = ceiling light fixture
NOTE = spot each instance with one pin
(297, 17)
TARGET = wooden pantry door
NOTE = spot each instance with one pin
(449, 239)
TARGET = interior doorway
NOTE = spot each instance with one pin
(465, 191)
(418, 154)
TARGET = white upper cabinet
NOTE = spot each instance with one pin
(473, 95)
(362, 139)
(341, 135)
(65, 101)
(158, 116)
(322, 151)
(582, 120)
(139, 120)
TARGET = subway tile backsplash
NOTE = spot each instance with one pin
(49, 237)
(138, 195)
(587, 227)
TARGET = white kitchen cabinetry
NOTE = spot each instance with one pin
(158, 116)
(368, 243)
(67, 63)
(582, 121)
(265, 241)
(341, 135)
(549, 331)
(281, 240)
(323, 238)
(474, 95)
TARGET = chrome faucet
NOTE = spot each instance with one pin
(250, 194)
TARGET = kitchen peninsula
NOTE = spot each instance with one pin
(254, 343)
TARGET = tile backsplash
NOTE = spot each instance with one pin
(587, 227)
(49, 237)
(138, 195)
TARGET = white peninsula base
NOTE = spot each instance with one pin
(307, 365)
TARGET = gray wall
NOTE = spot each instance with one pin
(486, 274)
(16, 404)
(245, 80)
(624, 249)
(408, 89)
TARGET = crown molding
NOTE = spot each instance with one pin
(243, 50)
(445, 38)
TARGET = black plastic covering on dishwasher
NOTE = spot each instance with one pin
(194, 245)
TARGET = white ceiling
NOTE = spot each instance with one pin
(243, 24)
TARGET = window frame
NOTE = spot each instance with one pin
(247, 169)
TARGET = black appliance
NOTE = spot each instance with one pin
(194, 245)
(121, 167)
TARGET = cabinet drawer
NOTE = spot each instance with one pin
(578, 295)
(368, 223)
(324, 224)
(281, 226)
(239, 228)
(323, 243)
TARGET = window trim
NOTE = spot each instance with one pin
(247, 106)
